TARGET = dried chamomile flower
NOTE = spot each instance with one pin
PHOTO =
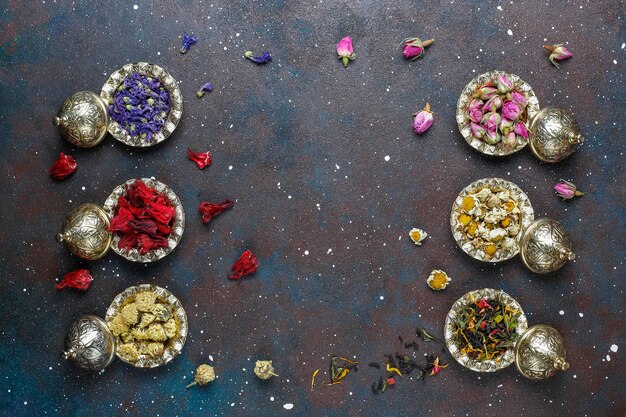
(417, 235)
(204, 374)
(130, 314)
(128, 351)
(438, 280)
(264, 369)
(145, 300)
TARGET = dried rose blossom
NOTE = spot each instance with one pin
(520, 130)
(485, 92)
(504, 84)
(188, 40)
(264, 58)
(558, 53)
(210, 210)
(509, 140)
(80, 279)
(511, 110)
(64, 165)
(246, 264)
(413, 48)
(204, 89)
(477, 130)
(566, 190)
(517, 97)
(436, 367)
(202, 159)
(345, 50)
(423, 120)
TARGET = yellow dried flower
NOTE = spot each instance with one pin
(264, 369)
(417, 235)
(438, 280)
(204, 374)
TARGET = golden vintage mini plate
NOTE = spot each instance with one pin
(465, 98)
(176, 102)
(178, 226)
(449, 329)
(495, 184)
(175, 346)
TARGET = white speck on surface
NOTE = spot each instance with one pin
(615, 61)
(387, 157)
(230, 168)
(271, 398)
(135, 7)
(329, 251)
(211, 358)
(580, 314)
(623, 45)
(288, 406)
(614, 348)
(382, 298)
(509, 32)
(561, 312)
(306, 252)
(608, 358)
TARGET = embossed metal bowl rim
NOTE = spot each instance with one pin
(110, 205)
(532, 108)
(526, 211)
(175, 345)
(455, 349)
(170, 84)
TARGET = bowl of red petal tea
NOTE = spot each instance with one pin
(139, 105)
(486, 330)
(142, 220)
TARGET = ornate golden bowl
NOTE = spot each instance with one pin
(175, 346)
(462, 107)
(527, 216)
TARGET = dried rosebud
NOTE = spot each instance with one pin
(264, 58)
(511, 110)
(477, 130)
(566, 190)
(204, 374)
(492, 104)
(436, 367)
(423, 120)
(204, 89)
(264, 369)
(413, 48)
(504, 84)
(210, 210)
(485, 92)
(520, 130)
(202, 159)
(558, 53)
(491, 122)
(188, 40)
(476, 104)
(246, 264)
(64, 165)
(509, 139)
(345, 50)
(80, 279)
(505, 125)
(517, 97)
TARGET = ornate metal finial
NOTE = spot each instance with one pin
(540, 352)
(545, 246)
(86, 232)
(83, 119)
(89, 343)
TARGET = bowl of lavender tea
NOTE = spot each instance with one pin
(482, 329)
(494, 111)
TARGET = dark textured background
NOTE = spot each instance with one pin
(301, 145)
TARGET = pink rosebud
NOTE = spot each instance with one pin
(476, 115)
(518, 97)
(520, 129)
(477, 130)
(492, 104)
(413, 48)
(423, 120)
(566, 190)
(504, 84)
(490, 123)
(558, 53)
(511, 110)
(509, 140)
(505, 125)
(346, 51)
(486, 92)
(476, 104)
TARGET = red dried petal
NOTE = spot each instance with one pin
(202, 159)
(164, 229)
(160, 212)
(144, 226)
(139, 194)
(210, 210)
(63, 166)
(128, 241)
(483, 303)
(147, 243)
(246, 264)
(120, 223)
(80, 279)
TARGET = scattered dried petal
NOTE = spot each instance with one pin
(202, 159)
(210, 210)
(188, 40)
(264, 58)
(64, 165)
(245, 265)
(204, 89)
(80, 279)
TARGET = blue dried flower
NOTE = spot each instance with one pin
(205, 88)
(188, 40)
(264, 58)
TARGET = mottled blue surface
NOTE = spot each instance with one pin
(301, 144)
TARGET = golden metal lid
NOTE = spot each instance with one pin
(545, 246)
(83, 119)
(86, 233)
(89, 343)
(554, 134)
(540, 352)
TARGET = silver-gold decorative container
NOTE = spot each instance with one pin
(86, 232)
(84, 119)
(538, 351)
(91, 345)
(543, 244)
(554, 134)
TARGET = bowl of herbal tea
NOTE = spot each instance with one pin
(482, 328)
